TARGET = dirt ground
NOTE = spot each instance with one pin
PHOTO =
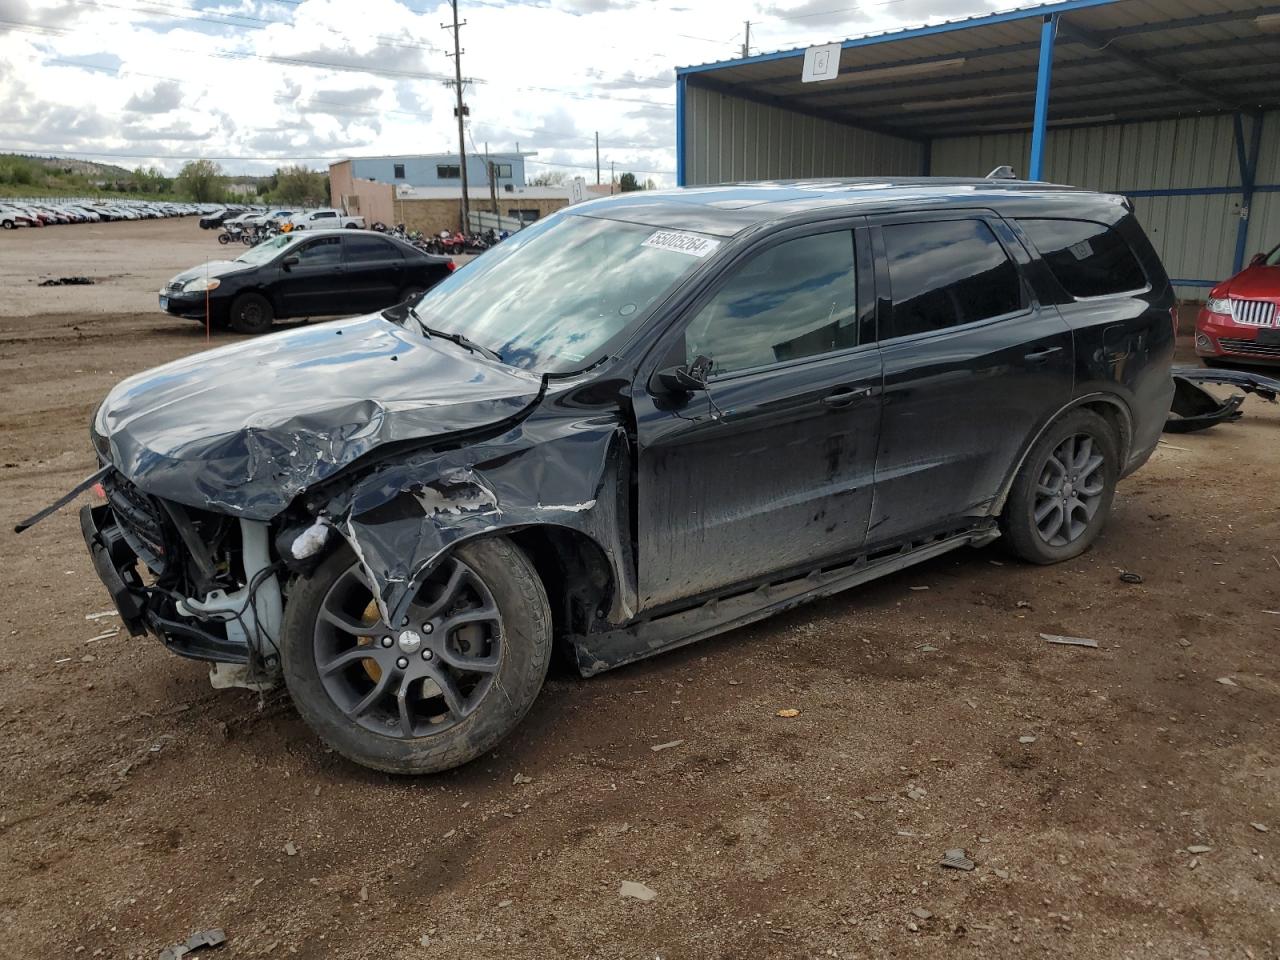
(138, 805)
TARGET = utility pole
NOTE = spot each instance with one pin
(611, 178)
(460, 109)
(597, 158)
(746, 41)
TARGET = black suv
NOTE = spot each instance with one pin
(642, 421)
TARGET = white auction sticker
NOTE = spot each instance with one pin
(690, 243)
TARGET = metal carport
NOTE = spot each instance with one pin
(1170, 102)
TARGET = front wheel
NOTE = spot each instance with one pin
(1062, 495)
(430, 694)
(251, 313)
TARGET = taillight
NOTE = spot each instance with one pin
(451, 266)
(99, 491)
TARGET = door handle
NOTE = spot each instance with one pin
(1035, 356)
(843, 396)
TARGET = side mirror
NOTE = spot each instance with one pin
(289, 262)
(685, 378)
(1258, 259)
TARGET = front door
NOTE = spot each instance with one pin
(314, 286)
(973, 367)
(770, 468)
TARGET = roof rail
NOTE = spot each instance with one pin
(1004, 172)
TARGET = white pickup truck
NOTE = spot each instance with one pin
(326, 218)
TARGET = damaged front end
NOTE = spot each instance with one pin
(212, 592)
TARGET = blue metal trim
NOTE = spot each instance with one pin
(1048, 9)
(1044, 81)
(680, 91)
(1198, 191)
(1194, 283)
(1248, 174)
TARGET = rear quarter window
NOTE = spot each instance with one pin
(1088, 259)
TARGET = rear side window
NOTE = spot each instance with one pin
(364, 249)
(794, 300)
(1089, 259)
(947, 273)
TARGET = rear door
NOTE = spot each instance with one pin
(973, 367)
(316, 284)
(769, 469)
(375, 270)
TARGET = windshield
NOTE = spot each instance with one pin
(266, 250)
(557, 292)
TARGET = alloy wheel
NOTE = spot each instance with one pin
(1069, 490)
(419, 677)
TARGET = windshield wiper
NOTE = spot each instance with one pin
(458, 338)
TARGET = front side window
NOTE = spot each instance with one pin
(1089, 259)
(321, 253)
(795, 300)
(557, 292)
(945, 274)
(367, 249)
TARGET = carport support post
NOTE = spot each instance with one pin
(1248, 178)
(680, 85)
(1048, 33)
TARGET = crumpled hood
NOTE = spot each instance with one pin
(214, 268)
(244, 429)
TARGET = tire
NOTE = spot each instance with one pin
(223, 239)
(8, 224)
(353, 226)
(251, 313)
(1078, 499)
(354, 708)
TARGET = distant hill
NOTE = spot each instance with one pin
(27, 175)
(85, 168)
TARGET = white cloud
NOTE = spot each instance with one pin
(225, 77)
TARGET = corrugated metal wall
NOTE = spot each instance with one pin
(727, 139)
(1195, 235)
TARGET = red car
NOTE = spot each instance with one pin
(1241, 321)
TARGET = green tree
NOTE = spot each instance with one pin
(550, 178)
(298, 186)
(628, 182)
(201, 180)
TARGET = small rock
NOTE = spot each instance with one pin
(921, 913)
(1027, 739)
(913, 926)
(364, 894)
(1199, 848)
(1260, 827)
(916, 793)
(789, 712)
(1184, 642)
(665, 746)
(1128, 577)
(1001, 873)
(520, 778)
(636, 891)
(290, 849)
(734, 683)
(503, 904)
(919, 588)
(928, 648)
(1227, 682)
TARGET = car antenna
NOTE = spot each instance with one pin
(1003, 172)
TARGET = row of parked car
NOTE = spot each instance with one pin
(44, 213)
(241, 219)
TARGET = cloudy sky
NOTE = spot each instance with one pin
(257, 83)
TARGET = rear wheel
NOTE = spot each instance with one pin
(223, 239)
(1062, 496)
(8, 224)
(251, 313)
(430, 694)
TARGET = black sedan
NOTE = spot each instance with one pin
(324, 273)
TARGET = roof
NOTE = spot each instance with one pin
(1114, 60)
(432, 157)
(480, 192)
(728, 209)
